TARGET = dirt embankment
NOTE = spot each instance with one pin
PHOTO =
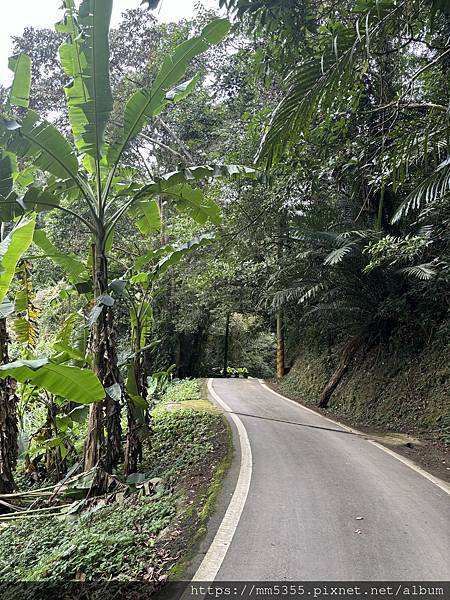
(398, 394)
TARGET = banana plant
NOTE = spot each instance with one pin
(12, 246)
(19, 202)
(137, 287)
(91, 170)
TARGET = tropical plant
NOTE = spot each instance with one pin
(138, 287)
(92, 171)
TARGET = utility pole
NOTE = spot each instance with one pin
(280, 345)
(282, 227)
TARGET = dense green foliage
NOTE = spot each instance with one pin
(318, 219)
(114, 542)
(122, 540)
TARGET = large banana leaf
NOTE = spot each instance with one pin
(85, 59)
(34, 200)
(10, 207)
(19, 94)
(189, 201)
(170, 180)
(40, 141)
(140, 405)
(6, 176)
(149, 102)
(192, 201)
(181, 251)
(75, 269)
(140, 322)
(12, 248)
(195, 204)
(148, 217)
(64, 343)
(38, 200)
(171, 255)
(75, 384)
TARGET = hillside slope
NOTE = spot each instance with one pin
(393, 387)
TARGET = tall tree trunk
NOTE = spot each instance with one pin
(225, 348)
(8, 420)
(280, 345)
(179, 344)
(196, 354)
(103, 446)
(347, 355)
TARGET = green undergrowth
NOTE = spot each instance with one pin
(198, 529)
(184, 391)
(122, 541)
(116, 542)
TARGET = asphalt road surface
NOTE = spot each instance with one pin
(325, 504)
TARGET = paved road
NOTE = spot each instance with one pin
(310, 481)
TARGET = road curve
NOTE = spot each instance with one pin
(311, 482)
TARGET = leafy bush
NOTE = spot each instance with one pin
(182, 438)
(117, 541)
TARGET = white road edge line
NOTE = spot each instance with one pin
(215, 555)
(409, 463)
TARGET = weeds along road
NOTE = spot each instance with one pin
(315, 501)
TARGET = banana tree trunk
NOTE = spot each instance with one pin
(8, 420)
(138, 419)
(103, 446)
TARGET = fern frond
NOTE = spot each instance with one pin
(298, 294)
(424, 272)
(433, 188)
(337, 255)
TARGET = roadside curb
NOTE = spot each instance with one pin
(215, 555)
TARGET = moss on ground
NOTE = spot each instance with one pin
(200, 517)
(219, 474)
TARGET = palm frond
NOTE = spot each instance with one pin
(314, 81)
(317, 82)
(424, 272)
(337, 255)
(433, 188)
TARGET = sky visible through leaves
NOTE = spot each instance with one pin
(16, 15)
